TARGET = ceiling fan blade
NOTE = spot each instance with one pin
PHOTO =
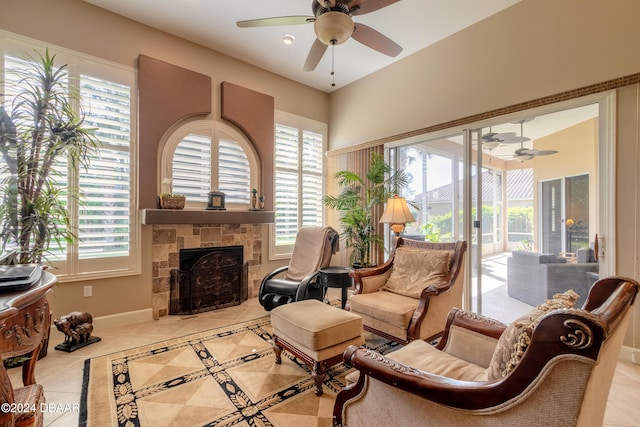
(275, 21)
(491, 136)
(543, 152)
(315, 55)
(375, 40)
(532, 152)
(515, 140)
(503, 136)
(360, 7)
(524, 152)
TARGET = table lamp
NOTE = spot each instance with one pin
(397, 214)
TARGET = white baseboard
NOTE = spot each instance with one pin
(117, 320)
(630, 354)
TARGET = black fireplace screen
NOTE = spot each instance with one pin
(208, 279)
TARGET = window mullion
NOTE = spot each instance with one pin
(300, 175)
(215, 161)
(73, 199)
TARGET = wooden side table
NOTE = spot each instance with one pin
(337, 277)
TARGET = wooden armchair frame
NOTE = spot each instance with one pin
(372, 279)
(562, 379)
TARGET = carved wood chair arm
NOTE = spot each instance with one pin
(599, 294)
(423, 307)
(364, 275)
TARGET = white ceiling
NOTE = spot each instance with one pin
(413, 24)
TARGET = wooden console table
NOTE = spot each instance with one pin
(24, 322)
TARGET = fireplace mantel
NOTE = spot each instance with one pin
(192, 216)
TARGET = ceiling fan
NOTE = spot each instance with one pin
(333, 25)
(492, 140)
(523, 153)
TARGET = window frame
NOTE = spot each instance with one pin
(279, 252)
(213, 129)
(73, 268)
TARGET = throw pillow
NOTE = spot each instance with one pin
(414, 269)
(516, 338)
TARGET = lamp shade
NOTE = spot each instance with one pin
(397, 212)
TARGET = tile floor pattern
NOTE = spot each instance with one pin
(226, 374)
(61, 373)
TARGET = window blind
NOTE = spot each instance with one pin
(196, 171)
(299, 182)
(192, 168)
(104, 221)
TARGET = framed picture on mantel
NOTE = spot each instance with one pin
(216, 201)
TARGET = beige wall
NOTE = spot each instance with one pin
(533, 49)
(79, 26)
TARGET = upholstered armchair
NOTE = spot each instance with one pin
(551, 367)
(409, 296)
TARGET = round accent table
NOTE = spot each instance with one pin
(336, 277)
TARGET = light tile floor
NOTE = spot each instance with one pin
(61, 373)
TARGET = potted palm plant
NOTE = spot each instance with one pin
(358, 197)
(40, 132)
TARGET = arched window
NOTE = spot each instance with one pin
(203, 156)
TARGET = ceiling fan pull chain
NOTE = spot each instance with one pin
(333, 74)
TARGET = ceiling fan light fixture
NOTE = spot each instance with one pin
(490, 145)
(524, 157)
(333, 28)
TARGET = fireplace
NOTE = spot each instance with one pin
(208, 279)
(169, 239)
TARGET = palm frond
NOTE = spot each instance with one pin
(356, 202)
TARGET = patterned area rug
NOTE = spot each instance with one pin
(221, 377)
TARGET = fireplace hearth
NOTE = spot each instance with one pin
(208, 279)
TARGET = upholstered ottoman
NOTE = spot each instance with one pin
(315, 333)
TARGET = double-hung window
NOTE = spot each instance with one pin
(299, 185)
(104, 217)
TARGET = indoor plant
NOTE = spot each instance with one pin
(39, 130)
(358, 197)
(170, 200)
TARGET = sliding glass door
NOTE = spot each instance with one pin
(526, 185)
(435, 193)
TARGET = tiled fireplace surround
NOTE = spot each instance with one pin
(168, 96)
(168, 239)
